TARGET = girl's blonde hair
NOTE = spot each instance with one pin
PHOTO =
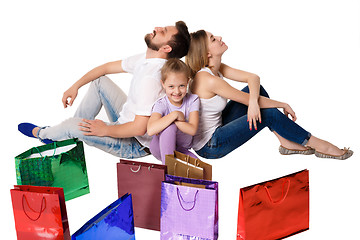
(197, 57)
(174, 65)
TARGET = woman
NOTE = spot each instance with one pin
(226, 125)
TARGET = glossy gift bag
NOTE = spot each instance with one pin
(59, 164)
(143, 181)
(182, 165)
(115, 222)
(39, 213)
(274, 209)
(189, 209)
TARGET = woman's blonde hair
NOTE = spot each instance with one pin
(197, 57)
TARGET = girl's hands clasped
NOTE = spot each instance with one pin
(179, 116)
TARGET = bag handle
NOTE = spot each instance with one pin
(180, 198)
(283, 194)
(42, 209)
(197, 162)
(149, 167)
(45, 156)
(187, 159)
(135, 171)
(187, 171)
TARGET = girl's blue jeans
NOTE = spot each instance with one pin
(235, 131)
(102, 93)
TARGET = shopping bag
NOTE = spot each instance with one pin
(59, 164)
(39, 213)
(143, 181)
(115, 222)
(182, 165)
(274, 209)
(189, 212)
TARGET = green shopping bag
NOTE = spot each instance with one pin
(59, 164)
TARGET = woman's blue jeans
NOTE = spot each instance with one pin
(235, 131)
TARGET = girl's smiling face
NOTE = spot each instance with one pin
(175, 86)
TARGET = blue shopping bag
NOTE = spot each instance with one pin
(114, 222)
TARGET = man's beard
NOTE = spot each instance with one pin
(150, 44)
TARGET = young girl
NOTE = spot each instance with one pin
(175, 117)
(226, 125)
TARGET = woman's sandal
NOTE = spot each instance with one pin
(348, 153)
(286, 151)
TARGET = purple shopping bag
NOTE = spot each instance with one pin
(189, 209)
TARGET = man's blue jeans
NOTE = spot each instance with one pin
(235, 131)
(102, 93)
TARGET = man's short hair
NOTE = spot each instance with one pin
(180, 42)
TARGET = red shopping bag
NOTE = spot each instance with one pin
(143, 182)
(274, 209)
(40, 213)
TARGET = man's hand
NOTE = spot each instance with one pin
(93, 127)
(70, 93)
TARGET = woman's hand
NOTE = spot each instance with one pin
(253, 114)
(71, 93)
(288, 110)
(93, 127)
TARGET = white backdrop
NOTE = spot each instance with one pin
(306, 53)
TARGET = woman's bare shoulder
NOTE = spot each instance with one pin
(204, 84)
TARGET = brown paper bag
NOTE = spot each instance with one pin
(182, 165)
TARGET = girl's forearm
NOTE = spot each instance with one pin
(191, 126)
(156, 126)
(186, 127)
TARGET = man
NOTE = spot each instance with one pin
(125, 136)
